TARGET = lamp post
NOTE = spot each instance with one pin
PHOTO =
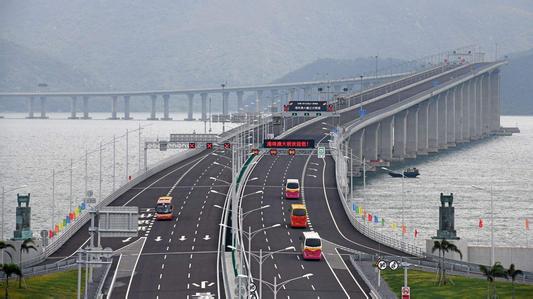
(275, 287)
(223, 85)
(261, 259)
(491, 221)
(376, 65)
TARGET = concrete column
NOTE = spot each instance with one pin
(356, 143)
(472, 108)
(204, 106)
(450, 115)
(114, 100)
(486, 105)
(43, 108)
(166, 110)
(411, 145)
(240, 106)
(73, 108)
(433, 125)
(423, 123)
(371, 142)
(443, 120)
(400, 127)
(479, 106)
(292, 93)
(459, 114)
(258, 100)
(31, 105)
(225, 104)
(307, 93)
(86, 107)
(466, 110)
(495, 102)
(385, 138)
(153, 110)
(126, 108)
(273, 98)
(190, 96)
(498, 102)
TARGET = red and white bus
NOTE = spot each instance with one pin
(163, 209)
(292, 189)
(311, 246)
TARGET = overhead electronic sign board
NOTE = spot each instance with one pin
(289, 143)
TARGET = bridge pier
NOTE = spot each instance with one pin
(307, 93)
(450, 117)
(459, 114)
(356, 144)
(153, 110)
(225, 104)
(258, 100)
(190, 96)
(371, 142)
(433, 125)
(126, 108)
(495, 97)
(114, 101)
(400, 126)
(385, 138)
(43, 108)
(31, 106)
(411, 145)
(240, 107)
(204, 106)
(487, 105)
(479, 109)
(274, 95)
(443, 120)
(472, 109)
(85, 108)
(423, 123)
(166, 109)
(73, 108)
(466, 111)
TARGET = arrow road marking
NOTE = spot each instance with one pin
(313, 169)
(203, 284)
(182, 238)
(126, 240)
(312, 175)
(158, 239)
(206, 237)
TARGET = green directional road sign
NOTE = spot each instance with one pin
(321, 152)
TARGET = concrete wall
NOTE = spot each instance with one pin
(522, 257)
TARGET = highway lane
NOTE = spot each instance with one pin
(332, 278)
(179, 256)
(146, 190)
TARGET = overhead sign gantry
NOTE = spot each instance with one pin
(308, 108)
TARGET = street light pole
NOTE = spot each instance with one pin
(491, 228)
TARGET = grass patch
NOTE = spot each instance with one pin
(423, 285)
(52, 285)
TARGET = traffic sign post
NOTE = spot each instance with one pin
(406, 292)
(321, 152)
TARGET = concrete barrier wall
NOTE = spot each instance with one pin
(522, 257)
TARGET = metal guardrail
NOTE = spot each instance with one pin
(46, 268)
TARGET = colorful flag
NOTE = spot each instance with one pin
(416, 232)
(527, 224)
(382, 221)
(480, 223)
(67, 219)
(370, 217)
(56, 228)
(393, 226)
(376, 220)
(404, 229)
(50, 234)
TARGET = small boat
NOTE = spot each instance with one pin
(408, 173)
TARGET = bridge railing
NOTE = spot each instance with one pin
(341, 174)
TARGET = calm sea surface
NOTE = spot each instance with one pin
(30, 149)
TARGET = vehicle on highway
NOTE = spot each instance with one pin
(311, 246)
(298, 215)
(164, 208)
(292, 189)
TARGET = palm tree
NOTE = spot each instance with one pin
(3, 247)
(497, 270)
(25, 247)
(444, 247)
(437, 246)
(513, 273)
(10, 269)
